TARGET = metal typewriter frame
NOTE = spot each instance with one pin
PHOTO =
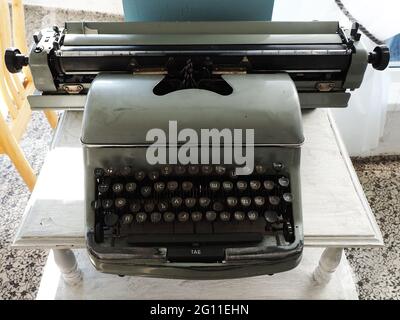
(240, 261)
(321, 61)
(334, 58)
(152, 261)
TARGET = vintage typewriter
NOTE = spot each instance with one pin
(194, 219)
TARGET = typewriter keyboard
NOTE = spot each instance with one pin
(191, 205)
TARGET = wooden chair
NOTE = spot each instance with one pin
(14, 89)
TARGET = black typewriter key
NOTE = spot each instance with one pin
(283, 181)
(239, 215)
(107, 203)
(162, 206)
(255, 185)
(227, 185)
(187, 186)
(259, 201)
(130, 187)
(145, 191)
(149, 206)
(110, 171)
(274, 200)
(231, 201)
(176, 202)
(225, 216)
(140, 175)
(288, 232)
(183, 216)
(211, 215)
(206, 169)
(166, 170)
(172, 185)
(220, 170)
(103, 187)
(98, 172)
(127, 219)
(196, 216)
(120, 203)
(141, 217)
(214, 185)
(287, 197)
(180, 170)
(232, 174)
(117, 187)
(218, 206)
(153, 175)
(159, 186)
(269, 185)
(110, 218)
(271, 216)
(245, 201)
(252, 215)
(260, 169)
(278, 166)
(190, 202)
(193, 169)
(241, 185)
(204, 202)
(126, 171)
(169, 216)
(155, 217)
(135, 206)
(96, 204)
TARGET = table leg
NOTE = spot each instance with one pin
(66, 262)
(328, 263)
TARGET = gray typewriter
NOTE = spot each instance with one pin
(195, 210)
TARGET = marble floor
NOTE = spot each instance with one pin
(376, 270)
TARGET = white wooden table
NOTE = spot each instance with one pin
(336, 215)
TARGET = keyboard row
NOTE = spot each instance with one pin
(111, 219)
(180, 170)
(174, 203)
(188, 186)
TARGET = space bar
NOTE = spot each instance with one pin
(195, 238)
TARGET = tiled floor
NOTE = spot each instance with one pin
(20, 270)
(110, 6)
(378, 270)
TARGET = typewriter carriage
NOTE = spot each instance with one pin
(312, 53)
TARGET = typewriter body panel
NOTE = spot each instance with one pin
(239, 232)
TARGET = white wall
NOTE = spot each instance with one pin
(362, 123)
